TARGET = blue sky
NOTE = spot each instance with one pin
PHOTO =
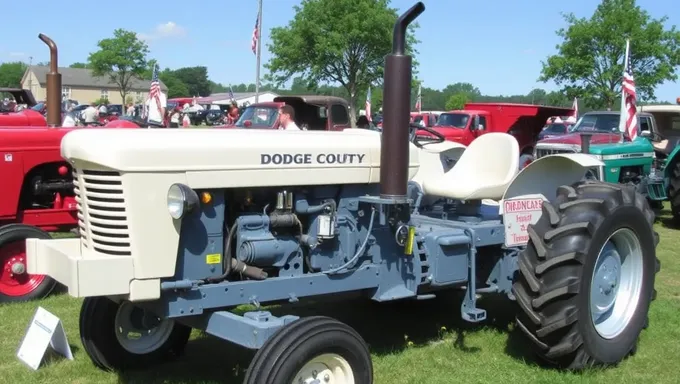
(497, 45)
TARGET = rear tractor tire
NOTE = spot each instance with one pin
(586, 277)
(15, 284)
(314, 349)
(674, 189)
(122, 336)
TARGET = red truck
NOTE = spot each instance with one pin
(523, 121)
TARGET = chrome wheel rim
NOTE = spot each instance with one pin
(616, 283)
(329, 368)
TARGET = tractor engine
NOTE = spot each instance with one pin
(630, 175)
(47, 186)
(286, 232)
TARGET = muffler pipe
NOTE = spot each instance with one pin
(394, 150)
(585, 142)
(53, 85)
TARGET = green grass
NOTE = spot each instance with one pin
(421, 342)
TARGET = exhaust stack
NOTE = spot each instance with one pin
(394, 150)
(585, 142)
(53, 85)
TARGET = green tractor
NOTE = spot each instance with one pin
(654, 170)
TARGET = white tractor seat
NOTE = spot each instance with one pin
(484, 171)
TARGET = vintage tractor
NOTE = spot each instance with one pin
(37, 187)
(654, 173)
(185, 225)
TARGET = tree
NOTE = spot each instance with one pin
(218, 88)
(11, 74)
(589, 62)
(457, 101)
(176, 87)
(463, 88)
(336, 41)
(147, 74)
(121, 58)
(195, 79)
(78, 65)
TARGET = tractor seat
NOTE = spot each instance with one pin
(484, 171)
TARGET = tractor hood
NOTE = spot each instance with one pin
(639, 147)
(24, 118)
(353, 153)
(31, 138)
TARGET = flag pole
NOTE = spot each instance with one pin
(259, 50)
(622, 118)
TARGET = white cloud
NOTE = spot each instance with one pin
(17, 54)
(164, 31)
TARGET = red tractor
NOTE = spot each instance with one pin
(37, 187)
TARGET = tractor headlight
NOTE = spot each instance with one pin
(181, 200)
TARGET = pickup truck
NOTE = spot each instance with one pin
(657, 120)
(313, 113)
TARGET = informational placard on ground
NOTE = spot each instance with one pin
(518, 213)
(44, 331)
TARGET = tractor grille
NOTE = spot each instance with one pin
(101, 212)
(540, 152)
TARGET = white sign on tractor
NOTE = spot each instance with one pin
(518, 213)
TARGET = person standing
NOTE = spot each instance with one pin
(232, 115)
(174, 118)
(156, 109)
(287, 118)
(90, 115)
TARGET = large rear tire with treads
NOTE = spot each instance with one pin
(586, 277)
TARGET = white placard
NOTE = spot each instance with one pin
(45, 330)
(517, 215)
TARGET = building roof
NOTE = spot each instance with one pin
(81, 77)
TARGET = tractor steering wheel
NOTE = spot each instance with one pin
(414, 128)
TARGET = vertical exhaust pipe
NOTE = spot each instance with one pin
(585, 142)
(394, 149)
(53, 85)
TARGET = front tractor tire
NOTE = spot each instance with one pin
(15, 284)
(314, 349)
(124, 337)
(586, 277)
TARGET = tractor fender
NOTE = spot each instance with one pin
(672, 158)
(542, 177)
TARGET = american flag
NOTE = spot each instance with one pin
(628, 121)
(155, 89)
(419, 101)
(256, 35)
(575, 108)
(367, 109)
(231, 94)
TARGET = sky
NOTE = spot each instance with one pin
(497, 45)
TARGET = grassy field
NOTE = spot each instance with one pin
(424, 342)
